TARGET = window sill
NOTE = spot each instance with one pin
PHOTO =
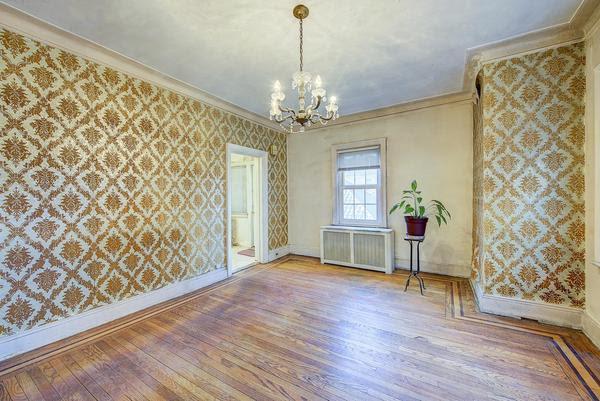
(357, 228)
(596, 263)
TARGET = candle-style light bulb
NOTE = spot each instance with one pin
(333, 100)
(318, 82)
(277, 86)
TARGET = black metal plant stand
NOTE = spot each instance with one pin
(415, 273)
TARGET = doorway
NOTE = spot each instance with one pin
(246, 207)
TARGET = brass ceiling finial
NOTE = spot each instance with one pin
(300, 11)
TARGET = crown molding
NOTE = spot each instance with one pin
(45, 32)
(584, 22)
(390, 111)
(585, 18)
(591, 25)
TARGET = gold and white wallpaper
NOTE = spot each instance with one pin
(109, 186)
(532, 223)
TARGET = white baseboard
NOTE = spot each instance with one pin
(591, 328)
(428, 267)
(46, 334)
(559, 315)
(278, 252)
(305, 251)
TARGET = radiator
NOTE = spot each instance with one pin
(365, 248)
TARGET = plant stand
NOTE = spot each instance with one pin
(415, 273)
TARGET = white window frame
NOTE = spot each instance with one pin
(381, 187)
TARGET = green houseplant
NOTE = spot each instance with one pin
(416, 214)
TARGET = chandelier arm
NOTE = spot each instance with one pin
(289, 116)
(287, 110)
(327, 118)
(316, 106)
(315, 118)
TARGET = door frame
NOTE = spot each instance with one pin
(262, 207)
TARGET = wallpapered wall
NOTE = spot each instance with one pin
(532, 233)
(109, 186)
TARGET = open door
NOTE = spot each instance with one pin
(246, 207)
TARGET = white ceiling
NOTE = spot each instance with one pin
(371, 54)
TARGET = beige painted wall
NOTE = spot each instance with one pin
(433, 145)
(592, 183)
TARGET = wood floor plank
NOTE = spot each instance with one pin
(29, 387)
(65, 384)
(299, 330)
(183, 388)
(264, 382)
(65, 361)
(47, 390)
(206, 376)
(4, 396)
(14, 389)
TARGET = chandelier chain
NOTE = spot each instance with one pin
(301, 52)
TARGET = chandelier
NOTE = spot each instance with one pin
(305, 116)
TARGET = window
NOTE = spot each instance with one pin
(359, 183)
(239, 202)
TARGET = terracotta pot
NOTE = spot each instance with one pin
(416, 226)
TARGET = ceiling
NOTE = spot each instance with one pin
(371, 54)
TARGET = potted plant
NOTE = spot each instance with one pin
(416, 214)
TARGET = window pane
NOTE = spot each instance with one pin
(348, 177)
(239, 202)
(372, 176)
(349, 212)
(359, 212)
(348, 196)
(359, 196)
(359, 177)
(371, 196)
(371, 212)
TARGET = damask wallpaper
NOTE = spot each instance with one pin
(109, 186)
(532, 225)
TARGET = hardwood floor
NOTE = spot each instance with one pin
(299, 330)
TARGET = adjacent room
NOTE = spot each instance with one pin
(331, 200)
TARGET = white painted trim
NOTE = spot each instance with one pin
(591, 328)
(48, 333)
(305, 251)
(590, 16)
(278, 253)
(559, 315)
(579, 27)
(45, 32)
(262, 242)
(394, 110)
(445, 269)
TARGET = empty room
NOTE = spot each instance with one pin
(274, 200)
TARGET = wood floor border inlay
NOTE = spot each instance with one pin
(587, 378)
(575, 367)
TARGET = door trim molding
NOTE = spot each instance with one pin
(262, 242)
